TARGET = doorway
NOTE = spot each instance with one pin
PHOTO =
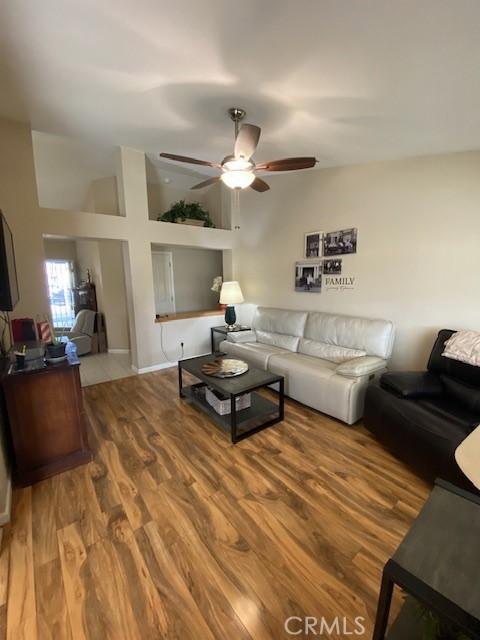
(162, 262)
(61, 281)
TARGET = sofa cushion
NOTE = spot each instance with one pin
(409, 429)
(241, 336)
(292, 363)
(278, 340)
(255, 353)
(330, 352)
(284, 321)
(374, 337)
(467, 396)
(449, 411)
(314, 382)
(412, 384)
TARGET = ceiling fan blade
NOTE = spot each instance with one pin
(206, 183)
(246, 141)
(188, 160)
(287, 164)
(259, 185)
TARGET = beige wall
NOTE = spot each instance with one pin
(72, 174)
(18, 199)
(114, 295)
(105, 260)
(59, 249)
(193, 273)
(102, 196)
(418, 259)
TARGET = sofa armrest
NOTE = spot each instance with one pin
(242, 336)
(412, 384)
(362, 366)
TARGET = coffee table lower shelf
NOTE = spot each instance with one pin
(248, 421)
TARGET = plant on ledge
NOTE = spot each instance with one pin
(181, 211)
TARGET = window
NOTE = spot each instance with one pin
(60, 277)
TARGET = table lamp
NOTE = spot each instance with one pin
(467, 456)
(230, 295)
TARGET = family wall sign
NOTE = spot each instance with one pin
(322, 265)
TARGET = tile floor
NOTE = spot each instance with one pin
(102, 367)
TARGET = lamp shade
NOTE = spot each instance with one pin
(237, 179)
(467, 456)
(231, 293)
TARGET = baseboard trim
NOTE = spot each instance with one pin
(5, 514)
(155, 367)
(162, 365)
(119, 351)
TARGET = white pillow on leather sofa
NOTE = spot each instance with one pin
(464, 346)
(330, 352)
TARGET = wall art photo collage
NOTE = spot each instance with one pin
(322, 256)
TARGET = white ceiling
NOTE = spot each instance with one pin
(345, 80)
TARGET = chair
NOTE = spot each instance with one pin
(424, 416)
(82, 331)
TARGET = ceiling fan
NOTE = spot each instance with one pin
(238, 169)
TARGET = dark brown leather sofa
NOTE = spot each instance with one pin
(422, 417)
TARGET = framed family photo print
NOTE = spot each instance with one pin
(313, 244)
(308, 277)
(341, 242)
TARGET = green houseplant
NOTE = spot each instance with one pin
(56, 348)
(181, 211)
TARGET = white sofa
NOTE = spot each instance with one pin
(327, 359)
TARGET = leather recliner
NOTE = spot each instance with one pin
(326, 359)
(423, 416)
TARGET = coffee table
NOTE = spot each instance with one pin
(241, 423)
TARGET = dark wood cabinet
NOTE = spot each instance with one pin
(85, 297)
(46, 420)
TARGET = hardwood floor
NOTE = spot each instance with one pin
(172, 532)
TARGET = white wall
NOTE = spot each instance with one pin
(418, 259)
(114, 295)
(18, 200)
(65, 170)
(193, 273)
(60, 249)
(104, 259)
(102, 196)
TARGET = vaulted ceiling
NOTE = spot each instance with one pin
(345, 80)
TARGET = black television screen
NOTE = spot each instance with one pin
(8, 272)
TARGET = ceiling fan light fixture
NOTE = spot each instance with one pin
(237, 164)
(238, 169)
(238, 179)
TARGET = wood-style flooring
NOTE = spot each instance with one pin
(172, 532)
